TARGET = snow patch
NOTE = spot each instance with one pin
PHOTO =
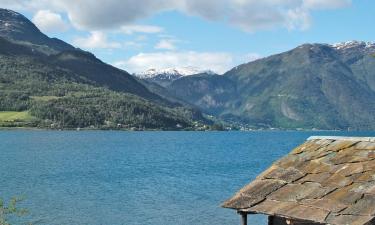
(172, 72)
(353, 44)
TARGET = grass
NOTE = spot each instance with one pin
(12, 116)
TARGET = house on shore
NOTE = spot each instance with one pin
(326, 180)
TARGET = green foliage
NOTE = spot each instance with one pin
(104, 109)
(10, 210)
(57, 98)
(13, 101)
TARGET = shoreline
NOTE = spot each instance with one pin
(158, 130)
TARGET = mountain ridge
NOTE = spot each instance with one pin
(60, 86)
(17, 27)
(318, 86)
(166, 76)
(322, 86)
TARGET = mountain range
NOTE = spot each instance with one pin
(319, 86)
(60, 86)
(165, 77)
(56, 85)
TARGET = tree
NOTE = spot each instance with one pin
(218, 127)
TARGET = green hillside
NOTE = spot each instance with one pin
(47, 83)
(312, 86)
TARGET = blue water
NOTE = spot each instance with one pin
(136, 178)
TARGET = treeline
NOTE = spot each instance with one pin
(59, 99)
(103, 109)
(14, 101)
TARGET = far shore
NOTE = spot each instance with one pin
(138, 130)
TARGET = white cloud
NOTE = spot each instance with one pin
(248, 15)
(130, 29)
(326, 4)
(35, 5)
(96, 40)
(48, 21)
(90, 14)
(13, 4)
(166, 44)
(216, 61)
(298, 18)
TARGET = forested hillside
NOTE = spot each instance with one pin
(47, 83)
(318, 86)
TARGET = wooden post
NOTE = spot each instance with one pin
(243, 218)
(270, 220)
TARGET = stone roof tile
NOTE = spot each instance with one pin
(325, 180)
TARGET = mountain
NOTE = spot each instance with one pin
(312, 86)
(87, 65)
(164, 77)
(55, 85)
(14, 26)
(60, 86)
(17, 29)
(210, 92)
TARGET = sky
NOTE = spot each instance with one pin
(136, 35)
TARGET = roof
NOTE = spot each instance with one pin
(325, 180)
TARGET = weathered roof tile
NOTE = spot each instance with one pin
(326, 204)
(299, 211)
(365, 177)
(341, 144)
(316, 177)
(365, 145)
(345, 195)
(348, 219)
(242, 202)
(287, 175)
(325, 180)
(268, 206)
(364, 207)
(350, 169)
(253, 193)
(314, 166)
(336, 180)
(296, 192)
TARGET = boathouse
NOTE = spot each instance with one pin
(326, 180)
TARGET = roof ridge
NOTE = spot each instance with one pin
(343, 138)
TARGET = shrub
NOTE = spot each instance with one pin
(10, 210)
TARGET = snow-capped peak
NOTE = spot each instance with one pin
(353, 44)
(178, 71)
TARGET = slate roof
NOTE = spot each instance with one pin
(329, 180)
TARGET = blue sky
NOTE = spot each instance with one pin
(208, 34)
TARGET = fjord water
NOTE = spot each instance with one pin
(137, 178)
